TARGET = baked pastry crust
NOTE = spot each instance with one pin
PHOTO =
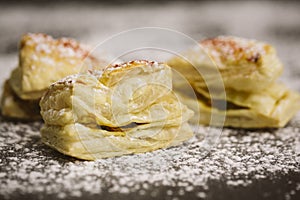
(262, 101)
(272, 111)
(16, 108)
(44, 60)
(128, 108)
(240, 74)
(239, 64)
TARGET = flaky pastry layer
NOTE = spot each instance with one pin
(128, 108)
(16, 108)
(259, 110)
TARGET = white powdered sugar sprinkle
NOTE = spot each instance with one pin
(241, 159)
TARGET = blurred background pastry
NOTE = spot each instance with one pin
(235, 80)
(42, 61)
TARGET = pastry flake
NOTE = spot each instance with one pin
(124, 109)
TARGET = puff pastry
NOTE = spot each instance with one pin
(272, 107)
(44, 60)
(242, 64)
(128, 108)
(235, 79)
(14, 107)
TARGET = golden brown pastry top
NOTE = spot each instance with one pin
(113, 73)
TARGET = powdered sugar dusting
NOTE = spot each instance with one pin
(241, 159)
(63, 47)
(234, 49)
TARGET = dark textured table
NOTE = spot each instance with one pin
(244, 164)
